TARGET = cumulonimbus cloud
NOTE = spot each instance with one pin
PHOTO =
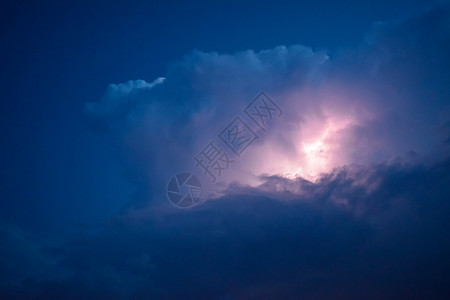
(367, 105)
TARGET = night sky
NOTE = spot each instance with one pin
(317, 131)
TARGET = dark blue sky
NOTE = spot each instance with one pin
(381, 88)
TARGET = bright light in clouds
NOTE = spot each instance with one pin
(317, 149)
(327, 118)
(310, 139)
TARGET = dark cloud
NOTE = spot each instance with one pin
(358, 233)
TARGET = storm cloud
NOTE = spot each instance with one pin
(344, 197)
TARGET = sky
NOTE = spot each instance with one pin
(338, 187)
